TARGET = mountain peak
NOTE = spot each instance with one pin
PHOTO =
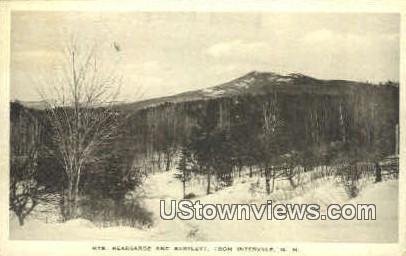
(274, 76)
(256, 73)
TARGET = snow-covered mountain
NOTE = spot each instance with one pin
(259, 83)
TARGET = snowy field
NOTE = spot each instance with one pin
(245, 190)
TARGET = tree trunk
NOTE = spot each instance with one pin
(268, 186)
(250, 171)
(184, 188)
(62, 202)
(291, 177)
(75, 200)
(208, 183)
(76, 194)
(267, 180)
(168, 162)
(71, 200)
(273, 177)
(378, 172)
(160, 161)
(21, 219)
(68, 202)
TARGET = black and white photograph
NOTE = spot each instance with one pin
(199, 126)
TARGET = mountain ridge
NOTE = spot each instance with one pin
(252, 83)
(258, 83)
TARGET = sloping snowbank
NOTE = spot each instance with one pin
(166, 186)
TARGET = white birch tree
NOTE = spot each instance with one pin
(80, 110)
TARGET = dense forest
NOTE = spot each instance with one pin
(275, 130)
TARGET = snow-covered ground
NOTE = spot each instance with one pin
(245, 190)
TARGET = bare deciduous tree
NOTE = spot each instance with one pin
(80, 111)
(272, 123)
(24, 189)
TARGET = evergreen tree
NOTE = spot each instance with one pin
(184, 169)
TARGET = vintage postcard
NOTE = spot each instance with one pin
(202, 128)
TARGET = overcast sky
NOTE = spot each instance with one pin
(168, 53)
